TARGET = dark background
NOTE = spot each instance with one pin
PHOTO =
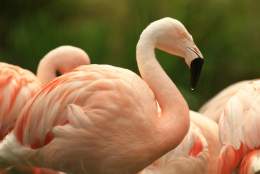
(226, 31)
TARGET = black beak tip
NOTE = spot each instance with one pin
(195, 69)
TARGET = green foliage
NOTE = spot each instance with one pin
(226, 31)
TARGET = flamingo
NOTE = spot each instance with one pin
(215, 106)
(197, 153)
(103, 119)
(18, 85)
(239, 131)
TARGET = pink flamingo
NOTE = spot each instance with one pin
(103, 119)
(197, 153)
(239, 131)
(18, 85)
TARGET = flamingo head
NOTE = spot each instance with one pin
(171, 36)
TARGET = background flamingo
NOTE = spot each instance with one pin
(215, 106)
(239, 131)
(18, 85)
(103, 119)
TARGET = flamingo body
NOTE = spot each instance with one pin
(239, 127)
(111, 98)
(17, 86)
(215, 106)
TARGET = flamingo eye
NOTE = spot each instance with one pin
(58, 73)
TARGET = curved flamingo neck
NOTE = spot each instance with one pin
(175, 111)
(46, 70)
(62, 59)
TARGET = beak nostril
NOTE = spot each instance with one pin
(194, 50)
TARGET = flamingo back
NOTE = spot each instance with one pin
(214, 107)
(85, 109)
(240, 121)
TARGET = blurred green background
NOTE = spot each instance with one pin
(226, 31)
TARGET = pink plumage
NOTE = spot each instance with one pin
(240, 128)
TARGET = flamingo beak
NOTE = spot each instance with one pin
(195, 69)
